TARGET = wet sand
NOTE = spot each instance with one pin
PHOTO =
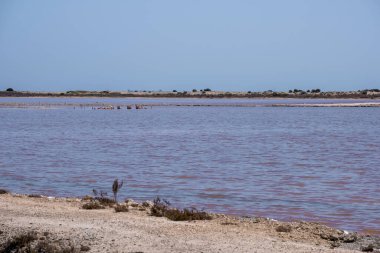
(137, 231)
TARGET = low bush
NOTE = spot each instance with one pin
(29, 243)
(93, 205)
(99, 201)
(15, 244)
(34, 196)
(121, 208)
(161, 208)
(3, 191)
(102, 198)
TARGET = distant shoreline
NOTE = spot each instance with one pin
(362, 94)
(131, 105)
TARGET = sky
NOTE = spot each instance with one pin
(235, 45)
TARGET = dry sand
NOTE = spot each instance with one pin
(137, 231)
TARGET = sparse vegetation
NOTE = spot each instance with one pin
(293, 93)
(3, 191)
(93, 205)
(29, 243)
(34, 196)
(284, 228)
(102, 198)
(121, 208)
(161, 208)
(15, 244)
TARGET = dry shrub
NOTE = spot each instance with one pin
(284, 228)
(121, 208)
(161, 208)
(34, 196)
(102, 198)
(49, 247)
(105, 201)
(15, 244)
(3, 191)
(29, 243)
(93, 205)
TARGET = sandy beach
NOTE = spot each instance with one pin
(63, 220)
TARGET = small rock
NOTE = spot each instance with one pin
(284, 228)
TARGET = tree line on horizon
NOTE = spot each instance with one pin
(295, 91)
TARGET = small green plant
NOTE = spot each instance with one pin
(116, 186)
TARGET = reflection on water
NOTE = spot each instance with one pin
(286, 163)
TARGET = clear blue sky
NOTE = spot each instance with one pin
(58, 45)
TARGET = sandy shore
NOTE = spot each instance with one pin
(136, 231)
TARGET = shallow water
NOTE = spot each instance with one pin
(318, 164)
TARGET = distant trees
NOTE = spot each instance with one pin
(9, 89)
(194, 90)
(304, 92)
